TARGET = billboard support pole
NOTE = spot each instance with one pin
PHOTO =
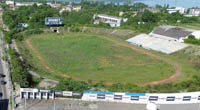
(54, 104)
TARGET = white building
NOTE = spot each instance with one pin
(111, 20)
(194, 12)
(77, 8)
(18, 4)
(30, 93)
(181, 10)
(70, 8)
(66, 8)
(10, 3)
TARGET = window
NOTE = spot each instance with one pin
(170, 98)
(43, 93)
(36, 93)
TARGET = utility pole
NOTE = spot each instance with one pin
(25, 103)
(13, 108)
(54, 104)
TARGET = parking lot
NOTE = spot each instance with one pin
(67, 104)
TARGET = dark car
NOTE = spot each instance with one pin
(1, 94)
(3, 82)
(2, 75)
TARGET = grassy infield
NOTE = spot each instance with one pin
(90, 56)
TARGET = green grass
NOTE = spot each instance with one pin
(195, 26)
(90, 56)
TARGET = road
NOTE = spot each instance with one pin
(64, 104)
(3, 87)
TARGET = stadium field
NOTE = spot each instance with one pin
(96, 57)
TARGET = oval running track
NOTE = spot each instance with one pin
(125, 44)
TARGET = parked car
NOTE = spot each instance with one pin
(3, 82)
(1, 94)
(2, 75)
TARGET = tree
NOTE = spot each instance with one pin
(148, 16)
(71, 85)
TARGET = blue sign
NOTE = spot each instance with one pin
(21, 25)
(53, 21)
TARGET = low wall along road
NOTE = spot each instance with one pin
(143, 98)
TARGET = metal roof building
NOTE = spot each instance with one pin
(173, 33)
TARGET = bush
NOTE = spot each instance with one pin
(75, 29)
(71, 85)
(192, 40)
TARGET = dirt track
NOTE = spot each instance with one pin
(125, 44)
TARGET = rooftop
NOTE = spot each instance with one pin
(172, 31)
(109, 16)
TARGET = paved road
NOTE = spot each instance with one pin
(64, 104)
(2, 87)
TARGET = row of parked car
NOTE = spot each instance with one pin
(2, 82)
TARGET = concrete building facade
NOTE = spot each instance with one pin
(181, 10)
(111, 20)
(36, 93)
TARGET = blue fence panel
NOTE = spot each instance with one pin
(136, 94)
(98, 92)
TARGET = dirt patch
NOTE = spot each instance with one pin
(38, 56)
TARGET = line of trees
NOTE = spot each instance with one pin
(143, 21)
(34, 16)
(19, 73)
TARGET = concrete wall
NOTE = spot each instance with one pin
(143, 98)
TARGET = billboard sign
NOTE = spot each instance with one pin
(47, 91)
(58, 93)
(28, 90)
(76, 94)
(53, 21)
(67, 93)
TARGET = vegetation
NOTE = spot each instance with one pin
(186, 82)
(143, 21)
(80, 86)
(91, 56)
(71, 85)
(192, 40)
(34, 16)
(19, 72)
